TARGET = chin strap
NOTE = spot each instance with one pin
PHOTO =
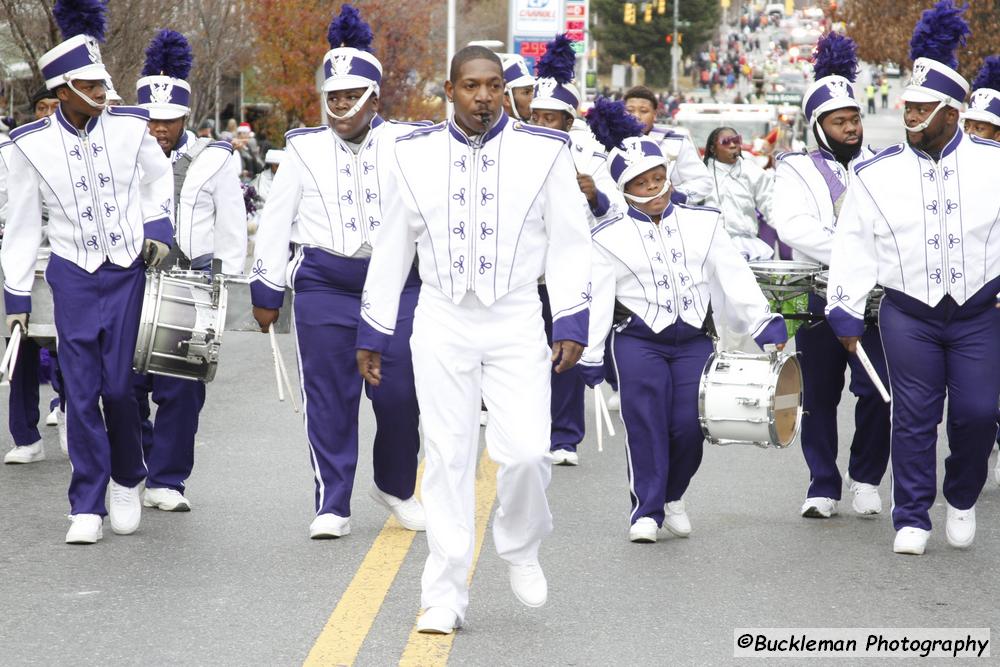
(357, 105)
(85, 98)
(513, 105)
(920, 127)
(646, 200)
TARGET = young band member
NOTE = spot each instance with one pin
(328, 198)
(666, 264)
(983, 115)
(519, 87)
(809, 190)
(210, 225)
(920, 219)
(109, 192)
(489, 205)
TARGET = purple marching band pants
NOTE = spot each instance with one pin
(328, 303)
(824, 360)
(168, 441)
(23, 413)
(97, 318)
(658, 378)
(568, 394)
(948, 349)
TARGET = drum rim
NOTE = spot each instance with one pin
(777, 366)
(784, 267)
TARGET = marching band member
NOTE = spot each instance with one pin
(328, 198)
(489, 205)
(109, 193)
(691, 180)
(809, 190)
(555, 106)
(262, 182)
(519, 87)
(983, 116)
(665, 263)
(210, 225)
(920, 220)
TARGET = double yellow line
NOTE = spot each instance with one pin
(345, 631)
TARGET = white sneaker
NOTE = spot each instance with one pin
(53, 417)
(168, 500)
(409, 512)
(996, 470)
(866, 499)
(125, 508)
(437, 621)
(484, 419)
(676, 519)
(614, 401)
(529, 585)
(643, 531)
(86, 529)
(819, 508)
(329, 526)
(63, 438)
(26, 454)
(960, 528)
(910, 540)
(564, 457)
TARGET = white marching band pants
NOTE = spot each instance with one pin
(461, 353)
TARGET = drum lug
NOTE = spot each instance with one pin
(746, 400)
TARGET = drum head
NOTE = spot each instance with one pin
(788, 401)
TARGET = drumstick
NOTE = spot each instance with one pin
(866, 363)
(277, 368)
(6, 356)
(604, 411)
(284, 376)
(598, 414)
(10, 360)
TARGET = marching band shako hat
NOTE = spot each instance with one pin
(554, 89)
(940, 31)
(162, 90)
(985, 103)
(349, 63)
(835, 67)
(273, 156)
(515, 71)
(78, 57)
(630, 153)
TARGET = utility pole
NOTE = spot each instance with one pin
(451, 37)
(675, 50)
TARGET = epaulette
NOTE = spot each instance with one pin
(134, 112)
(412, 123)
(543, 132)
(881, 155)
(304, 130)
(984, 142)
(423, 131)
(783, 154)
(34, 126)
(607, 223)
(692, 207)
(225, 145)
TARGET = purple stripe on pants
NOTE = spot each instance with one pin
(97, 319)
(927, 358)
(823, 360)
(168, 442)
(658, 376)
(327, 313)
(568, 394)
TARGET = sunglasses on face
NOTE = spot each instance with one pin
(735, 140)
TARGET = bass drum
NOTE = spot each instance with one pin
(751, 399)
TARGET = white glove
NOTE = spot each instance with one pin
(154, 252)
(18, 318)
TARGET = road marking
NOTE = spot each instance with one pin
(351, 621)
(429, 650)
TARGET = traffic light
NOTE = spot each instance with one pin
(661, 6)
(648, 18)
(629, 13)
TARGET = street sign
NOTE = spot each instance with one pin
(783, 98)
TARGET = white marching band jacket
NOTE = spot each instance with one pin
(108, 187)
(323, 196)
(688, 175)
(211, 216)
(802, 209)
(922, 228)
(739, 191)
(488, 214)
(671, 272)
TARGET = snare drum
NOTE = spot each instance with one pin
(750, 399)
(42, 323)
(787, 285)
(871, 306)
(180, 330)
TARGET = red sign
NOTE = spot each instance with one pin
(576, 26)
(575, 11)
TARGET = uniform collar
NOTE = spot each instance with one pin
(948, 149)
(636, 214)
(181, 146)
(480, 139)
(69, 127)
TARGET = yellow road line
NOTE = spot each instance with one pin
(429, 650)
(351, 621)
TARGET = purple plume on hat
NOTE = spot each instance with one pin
(611, 123)
(989, 74)
(836, 54)
(940, 31)
(168, 54)
(559, 61)
(349, 29)
(81, 17)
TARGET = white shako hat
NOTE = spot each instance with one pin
(934, 79)
(78, 56)
(985, 103)
(554, 88)
(163, 89)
